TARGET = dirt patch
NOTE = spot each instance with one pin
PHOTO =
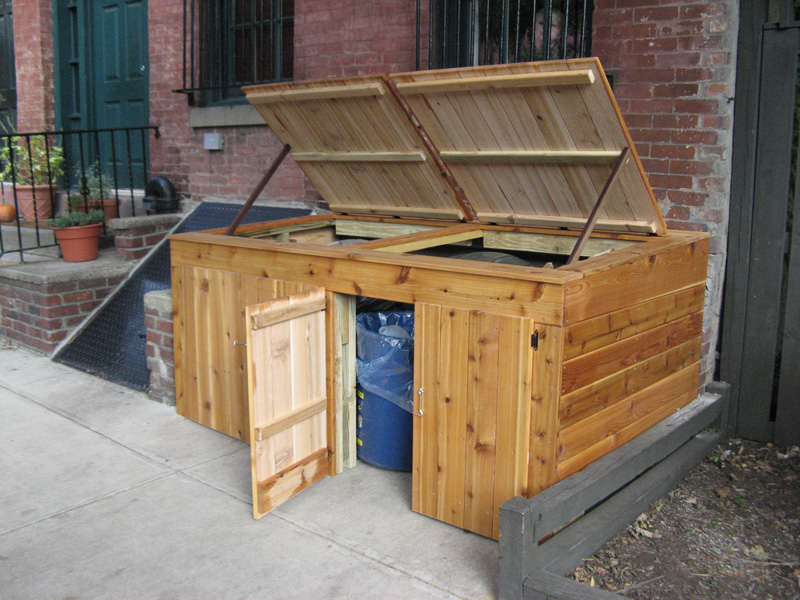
(730, 530)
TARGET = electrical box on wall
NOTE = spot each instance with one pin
(212, 141)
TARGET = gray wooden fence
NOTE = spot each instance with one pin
(588, 508)
(760, 349)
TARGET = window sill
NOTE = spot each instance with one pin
(240, 115)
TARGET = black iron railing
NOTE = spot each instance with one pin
(46, 173)
(462, 33)
(230, 44)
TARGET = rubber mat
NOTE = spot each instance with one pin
(112, 344)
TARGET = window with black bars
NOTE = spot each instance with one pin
(228, 44)
(464, 33)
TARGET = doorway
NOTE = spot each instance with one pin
(102, 83)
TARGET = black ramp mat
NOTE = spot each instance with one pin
(112, 345)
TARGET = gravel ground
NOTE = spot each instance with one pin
(729, 531)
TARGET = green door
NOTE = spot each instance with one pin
(103, 83)
(8, 77)
(121, 82)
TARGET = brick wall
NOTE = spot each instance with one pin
(159, 348)
(354, 38)
(135, 236)
(674, 66)
(39, 307)
(331, 40)
(33, 55)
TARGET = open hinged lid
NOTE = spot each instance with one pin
(527, 143)
(358, 147)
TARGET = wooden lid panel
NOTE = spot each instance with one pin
(357, 146)
(525, 141)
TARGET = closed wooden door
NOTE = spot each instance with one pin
(287, 397)
(472, 373)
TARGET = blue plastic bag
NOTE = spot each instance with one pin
(385, 356)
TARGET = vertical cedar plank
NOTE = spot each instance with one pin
(481, 423)
(219, 409)
(183, 334)
(424, 486)
(340, 358)
(545, 394)
(258, 449)
(203, 331)
(513, 413)
(304, 342)
(231, 367)
(349, 379)
(452, 413)
(334, 384)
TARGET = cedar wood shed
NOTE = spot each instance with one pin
(523, 374)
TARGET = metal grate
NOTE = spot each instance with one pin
(463, 33)
(112, 344)
(231, 43)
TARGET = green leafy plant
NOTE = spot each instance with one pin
(78, 219)
(93, 187)
(32, 161)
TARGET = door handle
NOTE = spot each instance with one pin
(419, 393)
(238, 343)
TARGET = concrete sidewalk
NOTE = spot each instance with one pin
(107, 494)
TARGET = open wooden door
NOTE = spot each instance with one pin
(287, 398)
(472, 374)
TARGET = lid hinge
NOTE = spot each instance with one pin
(535, 340)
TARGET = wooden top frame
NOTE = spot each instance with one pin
(532, 144)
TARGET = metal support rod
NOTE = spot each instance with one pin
(592, 220)
(258, 189)
(434, 153)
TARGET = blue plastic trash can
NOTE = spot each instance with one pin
(385, 375)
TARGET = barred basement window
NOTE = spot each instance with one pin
(464, 33)
(231, 43)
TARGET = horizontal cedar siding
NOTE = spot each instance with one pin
(627, 369)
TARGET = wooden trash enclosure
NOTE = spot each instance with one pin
(522, 374)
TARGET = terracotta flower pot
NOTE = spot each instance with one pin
(41, 206)
(110, 208)
(79, 244)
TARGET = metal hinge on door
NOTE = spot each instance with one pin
(535, 340)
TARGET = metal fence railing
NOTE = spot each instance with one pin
(47, 173)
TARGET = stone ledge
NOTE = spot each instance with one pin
(57, 271)
(237, 115)
(167, 221)
(159, 300)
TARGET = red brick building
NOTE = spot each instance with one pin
(672, 63)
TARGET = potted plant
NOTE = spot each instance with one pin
(78, 234)
(33, 166)
(94, 191)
